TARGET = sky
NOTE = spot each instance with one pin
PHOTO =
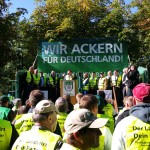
(30, 5)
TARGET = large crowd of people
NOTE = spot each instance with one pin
(91, 123)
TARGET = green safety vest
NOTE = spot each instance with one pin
(108, 110)
(36, 79)
(86, 87)
(101, 83)
(36, 139)
(137, 134)
(4, 111)
(24, 123)
(110, 123)
(5, 134)
(28, 77)
(52, 81)
(61, 120)
(92, 82)
(117, 82)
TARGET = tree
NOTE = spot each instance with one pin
(141, 22)
(8, 26)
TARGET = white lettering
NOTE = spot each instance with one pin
(75, 49)
(101, 48)
(92, 48)
(82, 50)
(63, 49)
(116, 47)
(109, 48)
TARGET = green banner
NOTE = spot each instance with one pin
(82, 55)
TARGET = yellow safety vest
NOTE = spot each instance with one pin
(86, 86)
(92, 82)
(101, 83)
(108, 110)
(36, 79)
(110, 123)
(37, 139)
(51, 80)
(24, 123)
(28, 77)
(116, 81)
(61, 120)
(137, 134)
(5, 134)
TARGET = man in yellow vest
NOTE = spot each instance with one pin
(82, 130)
(8, 135)
(90, 102)
(41, 135)
(93, 84)
(133, 132)
(85, 83)
(62, 106)
(27, 84)
(106, 110)
(25, 123)
(117, 85)
(36, 79)
(102, 82)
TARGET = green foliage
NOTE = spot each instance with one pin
(53, 20)
(8, 32)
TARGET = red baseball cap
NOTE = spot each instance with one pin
(142, 92)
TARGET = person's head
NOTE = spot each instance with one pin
(93, 74)
(128, 102)
(101, 74)
(4, 101)
(35, 71)
(116, 72)
(82, 129)
(78, 97)
(141, 93)
(69, 72)
(89, 102)
(17, 102)
(67, 98)
(41, 73)
(35, 96)
(22, 110)
(31, 69)
(53, 74)
(61, 104)
(85, 75)
(102, 101)
(133, 67)
(45, 114)
(109, 73)
(125, 70)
